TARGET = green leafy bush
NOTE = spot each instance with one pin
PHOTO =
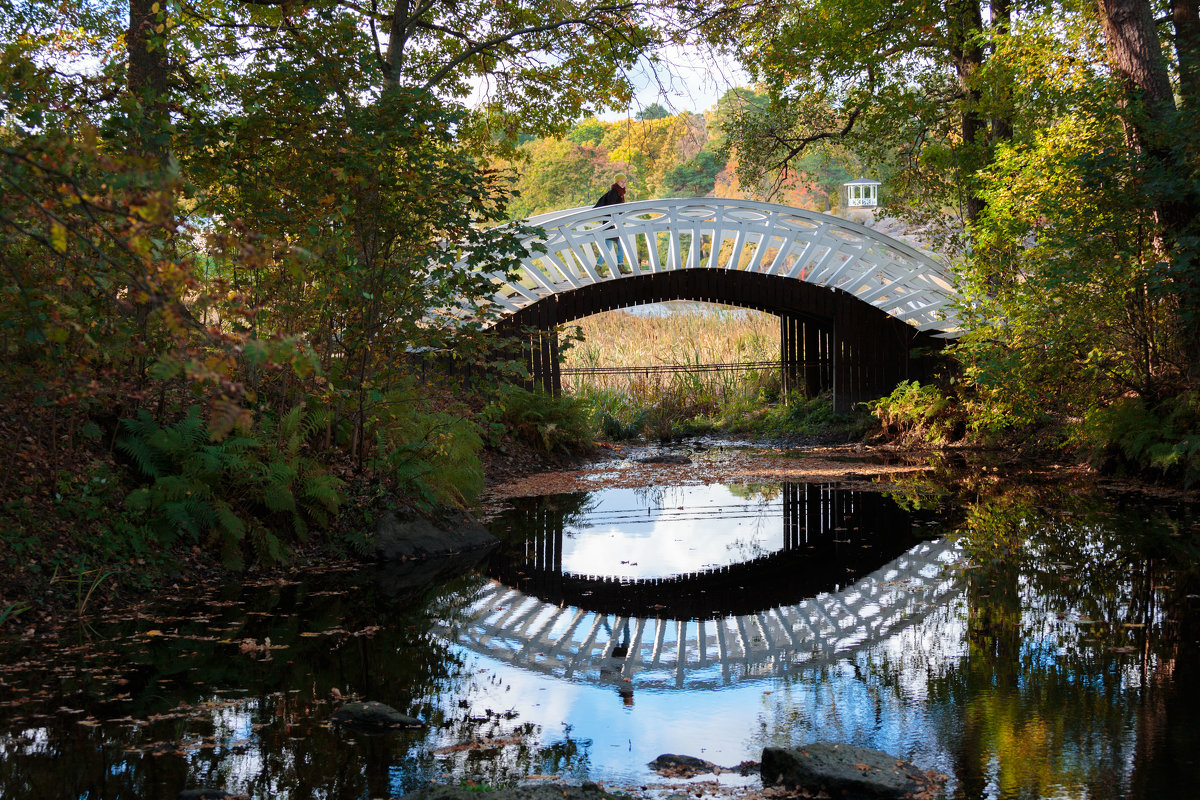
(253, 492)
(433, 456)
(1162, 439)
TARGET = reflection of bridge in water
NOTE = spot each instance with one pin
(830, 537)
(647, 633)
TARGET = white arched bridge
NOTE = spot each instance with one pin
(853, 303)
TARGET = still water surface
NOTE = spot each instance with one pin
(1025, 650)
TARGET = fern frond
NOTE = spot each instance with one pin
(289, 423)
(325, 490)
(144, 457)
(278, 497)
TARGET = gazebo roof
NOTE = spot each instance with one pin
(862, 182)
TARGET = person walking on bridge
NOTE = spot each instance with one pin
(614, 195)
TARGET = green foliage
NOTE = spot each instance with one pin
(1162, 440)
(652, 111)
(695, 177)
(589, 131)
(252, 493)
(552, 424)
(431, 456)
(808, 415)
(13, 610)
(1059, 302)
(920, 413)
(613, 429)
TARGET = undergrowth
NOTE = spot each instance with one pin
(916, 413)
(1133, 436)
(253, 493)
(553, 424)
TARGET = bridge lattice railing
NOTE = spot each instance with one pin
(582, 245)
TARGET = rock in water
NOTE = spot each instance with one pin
(672, 766)
(372, 716)
(846, 771)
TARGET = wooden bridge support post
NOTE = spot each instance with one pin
(790, 347)
(793, 525)
(871, 352)
(804, 355)
(545, 371)
(817, 359)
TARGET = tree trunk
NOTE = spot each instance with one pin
(1153, 130)
(146, 76)
(1002, 123)
(965, 24)
(1134, 51)
(1186, 16)
(398, 35)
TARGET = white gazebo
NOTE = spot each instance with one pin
(860, 193)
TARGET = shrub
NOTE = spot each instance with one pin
(432, 455)
(552, 424)
(1162, 439)
(916, 412)
(253, 491)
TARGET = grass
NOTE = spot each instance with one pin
(664, 405)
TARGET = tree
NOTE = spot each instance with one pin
(264, 205)
(695, 177)
(652, 111)
(1163, 139)
(900, 84)
(589, 131)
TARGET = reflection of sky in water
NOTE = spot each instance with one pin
(873, 697)
(638, 534)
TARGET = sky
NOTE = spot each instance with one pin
(684, 79)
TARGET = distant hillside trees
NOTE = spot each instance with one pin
(664, 155)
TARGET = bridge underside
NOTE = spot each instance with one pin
(829, 339)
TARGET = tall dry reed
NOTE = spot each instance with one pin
(685, 334)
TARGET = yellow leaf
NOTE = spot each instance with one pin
(153, 632)
(58, 237)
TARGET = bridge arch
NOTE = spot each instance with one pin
(853, 303)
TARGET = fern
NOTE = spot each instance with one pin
(222, 491)
(541, 420)
(1164, 440)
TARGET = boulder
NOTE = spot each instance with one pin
(372, 716)
(405, 534)
(672, 766)
(846, 771)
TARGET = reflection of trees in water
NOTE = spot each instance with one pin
(211, 716)
(1059, 673)
(764, 492)
(1062, 629)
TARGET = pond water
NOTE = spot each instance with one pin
(1031, 643)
